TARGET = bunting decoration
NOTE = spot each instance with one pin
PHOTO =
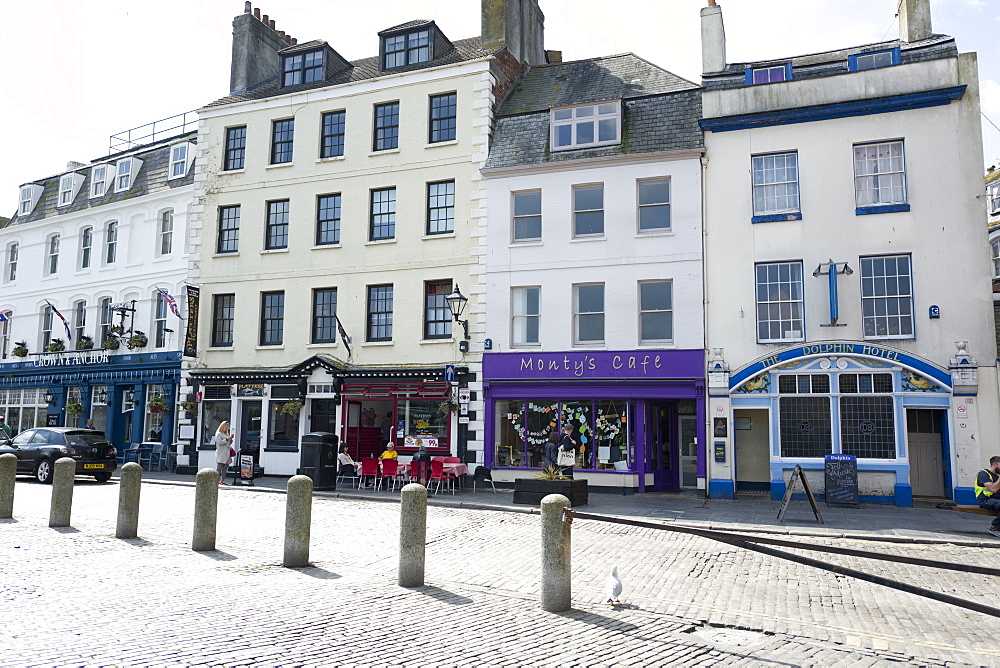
(69, 332)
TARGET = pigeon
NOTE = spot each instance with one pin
(613, 588)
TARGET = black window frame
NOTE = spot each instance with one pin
(437, 314)
(282, 141)
(223, 320)
(272, 318)
(410, 53)
(449, 206)
(385, 129)
(299, 71)
(324, 325)
(276, 224)
(384, 299)
(328, 219)
(440, 122)
(228, 236)
(234, 156)
(387, 218)
(331, 135)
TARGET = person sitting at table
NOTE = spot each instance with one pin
(390, 452)
(347, 464)
(420, 464)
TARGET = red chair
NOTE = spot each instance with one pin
(369, 469)
(418, 472)
(388, 470)
(452, 460)
(437, 474)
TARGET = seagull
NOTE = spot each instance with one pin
(613, 588)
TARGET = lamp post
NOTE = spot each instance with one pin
(457, 302)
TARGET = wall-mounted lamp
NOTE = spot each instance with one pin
(102, 395)
(129, 396)
(49, 398)
(457, 302)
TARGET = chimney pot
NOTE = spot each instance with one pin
(256, 13)
(294, 41)
(270, 24)
(553, 57)
(247, 7)
(263, 19)
(281, 34)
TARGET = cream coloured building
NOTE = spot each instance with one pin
(344, 198)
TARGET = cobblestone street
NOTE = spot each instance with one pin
(81, 597)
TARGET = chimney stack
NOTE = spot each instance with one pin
(255, 51)
(713, 39)
(914, 20)
(74, 165)
(518, 25)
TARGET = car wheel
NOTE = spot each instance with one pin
(102, 477)
(43, 472)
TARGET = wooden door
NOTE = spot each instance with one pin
(923, 439)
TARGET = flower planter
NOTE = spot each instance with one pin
(531, 491)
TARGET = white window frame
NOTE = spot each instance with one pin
(65, 190)
(111, 242)
(48, 315)
(125, 179)
(86, 247)
(887, 167)
(5, 335)
(579, 314)
(782, 300)
(79, 319)
(995, 246)
(160, 311)
(573, 117)
(771, 183)
(165, 233)
(107, 318)
(576, 211)
(10, 257)
(99, 180)
(650, 205)
(643, 311)
(52, 254)
(993, 197)
(782, 68)
(176, 162)
(515, 217)
(29, 198)
(871, 314)
(520, 316)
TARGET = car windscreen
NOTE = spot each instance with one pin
(85, 438)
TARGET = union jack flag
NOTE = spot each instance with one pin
(69, 332)
(171, 302)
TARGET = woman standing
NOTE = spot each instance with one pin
(223, 447)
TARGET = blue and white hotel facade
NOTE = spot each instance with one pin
(847, 284)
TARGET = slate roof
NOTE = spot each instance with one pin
(418, 23)
(831, 63)
(152, 177)
(361, 70)
(661, 110)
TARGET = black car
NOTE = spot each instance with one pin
(38, 449)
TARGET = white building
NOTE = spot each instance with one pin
(99, 245)
(847, 283)
(342, 198)
(594, 275)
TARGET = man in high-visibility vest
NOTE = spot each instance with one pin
(988, 491)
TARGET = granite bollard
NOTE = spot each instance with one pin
(556, 574)
(62, 492)
(298, 521)
(206, 509)
(412, 535)
(130, 483)
(8, 467)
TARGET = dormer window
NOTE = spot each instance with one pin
(871, 61)
(585, 126)
(29, 198)
(98, 180)
(178, 160)
(766, 75)
(126, 171)
(69, 186)
(407, 49)
(302, 68)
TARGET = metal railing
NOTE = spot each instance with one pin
(148, 133)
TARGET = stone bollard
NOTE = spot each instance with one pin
(8, 467)
(129, 485)
(556, 580)
(412, 535)
(206, 509)
(298, 521)
(62, 492)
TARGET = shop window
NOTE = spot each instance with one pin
(804, 384)
(577, 415)
(99, 406)
(153, 428)
(282, 429)
(611, 434)
(213, 414)
(868, 427)
(24, 408)
(424, 423)
(805, 426)
(864, 383)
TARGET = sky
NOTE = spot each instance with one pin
(74, 72)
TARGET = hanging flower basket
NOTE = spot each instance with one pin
(73, 408)
(157, 405)
(292, 408)
(447, 407)
(190, 406)
(55, 346)
(20, 349)
(85, 343)
(137, 340)
(111, 344)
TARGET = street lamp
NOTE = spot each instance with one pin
(457, 302)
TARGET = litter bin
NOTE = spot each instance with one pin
(319, 459)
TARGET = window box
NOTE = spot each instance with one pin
(531, 491)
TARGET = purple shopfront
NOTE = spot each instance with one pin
(639, 416)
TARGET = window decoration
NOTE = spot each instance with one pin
(157, 405)
(20, 349)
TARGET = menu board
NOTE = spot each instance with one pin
(841, 480)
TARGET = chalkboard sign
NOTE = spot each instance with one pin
(841, 480)
(52, 420)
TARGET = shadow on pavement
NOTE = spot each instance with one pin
(218, 555)
(138, 542)
(444, 595)
(8, 520)
(65, 529)
(602, 621)
(317, 572)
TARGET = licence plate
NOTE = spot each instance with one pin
(93, 466)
